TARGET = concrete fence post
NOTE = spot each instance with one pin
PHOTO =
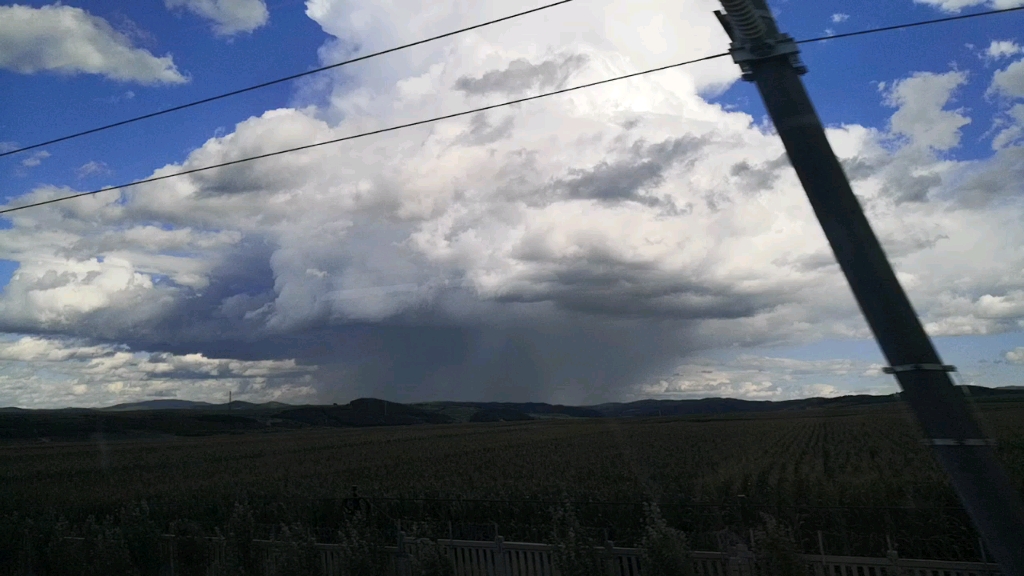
(821, 550)
(894, 560)
(500, 563)
(403, 566)
(609, 559)
(740, 561)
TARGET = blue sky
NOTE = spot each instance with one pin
(367, 251)
(43, 106)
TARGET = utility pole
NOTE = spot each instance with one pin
(771, 60)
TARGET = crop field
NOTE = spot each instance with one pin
(857, 476)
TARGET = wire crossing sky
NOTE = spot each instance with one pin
(448, 116)
(280, 80)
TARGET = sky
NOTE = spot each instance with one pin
(640, 239)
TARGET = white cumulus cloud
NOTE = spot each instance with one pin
(764, 378)
(922, 116)
(228, 16)
(958, 5)
(35, 159)
(37, 372)
(1002, 49)
(69, 40)
(92, 168)
(1015, 356)
(1009, 81)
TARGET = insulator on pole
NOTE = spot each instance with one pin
(745, 19)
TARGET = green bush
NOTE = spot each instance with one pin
(240, 553)
(431, 559)
(295, 553)
(665, 550)
(96, 550)
(63, 550)
(142, 539)
(777, 552)
(362, 551)
(14, 545)
(573, 552)
(193, 553)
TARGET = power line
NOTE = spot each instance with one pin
(910, 25)
(404, 46)
(481, 109)
(362, 134)
(277, 81)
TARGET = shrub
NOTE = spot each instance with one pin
(63, 550)
(573, 553)
(14, 545)
(142, 539)
(193, 554)
(98, 550)
(295, 554)
(240, 553)
(776, 550)
(431, 559)
(665, 550)
(363, 554)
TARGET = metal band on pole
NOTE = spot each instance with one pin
(919, 368)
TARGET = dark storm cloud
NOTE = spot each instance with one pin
(246, 179)
(808, 263)
(642, 169)
(522, 76)
(566, 358)
(906, 187)
(481, 132)
(579, 361)
(998, 179)
(578, 352)
(761, 177)
(583, 293)
(859, 168)
(900, 245)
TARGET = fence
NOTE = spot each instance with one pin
(500, 558)
(942, 532)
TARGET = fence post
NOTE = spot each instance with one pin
(611, 569)
(894, 559)
(740, 561)
(499, 554)
(402, 567)
(821, 550)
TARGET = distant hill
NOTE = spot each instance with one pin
(499, 415)
(363, 412)
(175, 417)
(163, 404)
(533, 408)
(175, 404)
(1008, 393)
(646, 408)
